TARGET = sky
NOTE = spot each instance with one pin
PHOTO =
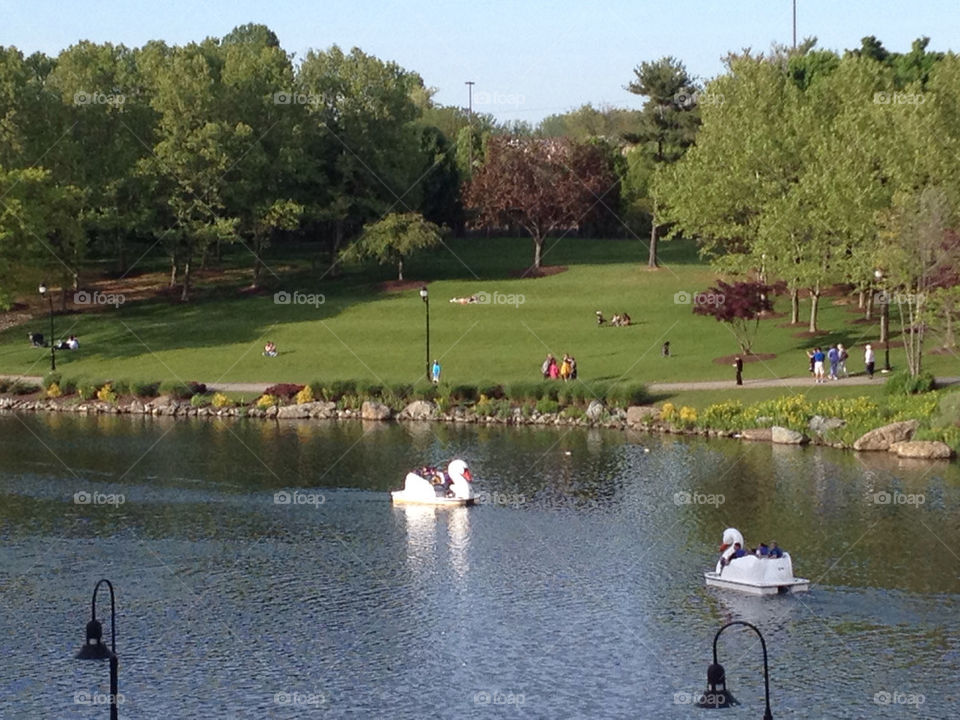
(527, 59)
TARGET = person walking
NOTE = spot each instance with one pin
(833, 355)
(842, 366)
(818, 358)
(869, 360)
(738, 364)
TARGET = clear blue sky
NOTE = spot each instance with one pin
(528, 59)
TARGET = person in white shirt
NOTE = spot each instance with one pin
(868, 359)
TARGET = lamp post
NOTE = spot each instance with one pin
(717, 695)
(53, 351)
(94, 649)
(884, 321)
(426, 302)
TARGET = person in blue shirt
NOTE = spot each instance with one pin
(834, 356)
(763, 550)
(818, 358)
(775, 551)
(435, 372)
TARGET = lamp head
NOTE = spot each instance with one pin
(93, 648)
(42, 289)
(423, 293)
(716, 695)
(878, 274)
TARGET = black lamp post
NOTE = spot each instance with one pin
(426, 301)
(717, 695)
(53, 350)
(94, 649)
(884, 322)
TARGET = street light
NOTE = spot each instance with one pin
(94, 649)
(53, 351)
(884, 321)
(426, 301)
(717, 695)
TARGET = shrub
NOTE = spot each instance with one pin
(145, 389)
(503, 408)
(902, 383)
(402, 391)
(87, 390)
(53, 390)
(546, 406)
(220, 400)
(22, 388)
(550, 390)
(525, 390)
(285, 391)
(339, 388)
(948, 411)
(106, 394)
(494, 391)
(566, 395)
(121, 387)
(177, 390)
(484, 406)
(369, 390)
(669, 413)
(426, 391)
(305, 395)
(725, 415)
(464, 393)
(573, 412)
(688, 417)
(199, 401)
(265, 401)
(49, 379)
(5, 385)
(625, 394)
(349, 402)
(69, 386)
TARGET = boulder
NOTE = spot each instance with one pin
(160, 402)
(642, 414)
(136, 407)
(271, 411)
(595, 410)
(786, 436)
(883, 437)
(322, 409)
(819, 424)
(419, 410)
(372, 410)
(761, 434)
(922, 449)
(293, 412)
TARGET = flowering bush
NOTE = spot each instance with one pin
(266, 401)
(220, 400)
(688, 417)
(106, 394)
(305, 395)
(53, 390)
(669, 414)
(723, 416)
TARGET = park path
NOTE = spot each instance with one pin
(656, 388)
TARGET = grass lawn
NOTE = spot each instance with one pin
(362, 332)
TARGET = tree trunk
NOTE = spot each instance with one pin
(795, 306)
(537, 248)
(257, 262)
(861, 299)
(185, 294)
(868, 311)
(400, 269)
(814, 305)
(173, 272)
(652, 259)
(334, 270)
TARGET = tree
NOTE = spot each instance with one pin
(542, 185)
(740, 305)
(393, 239)
(668, 121)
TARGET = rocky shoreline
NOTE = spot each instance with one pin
(894, 438)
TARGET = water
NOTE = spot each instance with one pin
(577, 592)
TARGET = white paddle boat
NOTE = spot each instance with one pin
(769, 574)
(427, 486)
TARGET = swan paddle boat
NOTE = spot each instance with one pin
(754, 574)
(427, 486)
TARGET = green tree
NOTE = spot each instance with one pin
(393, 239)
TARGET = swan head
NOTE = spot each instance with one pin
(458, 468)
(730, 537)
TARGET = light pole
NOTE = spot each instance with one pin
(794, 24)
(884, 321)
(717, 695)
(94, 649)
(53, 351)
(470, 84)
(426, 302)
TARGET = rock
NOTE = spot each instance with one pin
(786, 436)
(882, 438)
(372, 410)
(419, 410)
(819, 424)
(292, 412)
(271, 411)
(322, 409)
(136, 407)
(160, 402)
(761, 434)
(595, 410)
(922, 449)
(642, 414)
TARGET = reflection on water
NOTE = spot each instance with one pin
(586, 599)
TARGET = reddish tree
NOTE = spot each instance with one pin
(740, 305)
(540, 184)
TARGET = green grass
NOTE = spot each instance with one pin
(362, 333)
(701, 399)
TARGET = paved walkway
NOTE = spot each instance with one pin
(799, 382)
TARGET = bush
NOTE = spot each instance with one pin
(285, 391)
(265, 401)
(425, 391)
(199, 401)
(723, 416)
(369, 390)
(121, 387)
(525, 390)
(948, 410)
(87, 390)
(53, 390)
(106, 394)
(401, 391)
(573, 412)
(69, 386)
(49, 379)
(21, 388)
(145, 389)
(547, 406)
(902, 383)
(305, 395)
(464, 393)
(349, 402)
(623, 395)
(494, 391)
(220, 400)
(177, 390)
(339, 388)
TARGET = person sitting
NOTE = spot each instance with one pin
(775, 551)
(616, 320)
(600, 319)
(625, 320)
(738, 551)
(62, 345)
(763, 550)
(270, 349)
(73, 343)
(665, 349)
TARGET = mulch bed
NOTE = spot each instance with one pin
(543, 271)
(730, 359)
(398, 285)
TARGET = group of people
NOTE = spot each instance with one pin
(564, 370)
(836, 356)
(270, 349)
(71, 343)
(618, 320)
(763, 551)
